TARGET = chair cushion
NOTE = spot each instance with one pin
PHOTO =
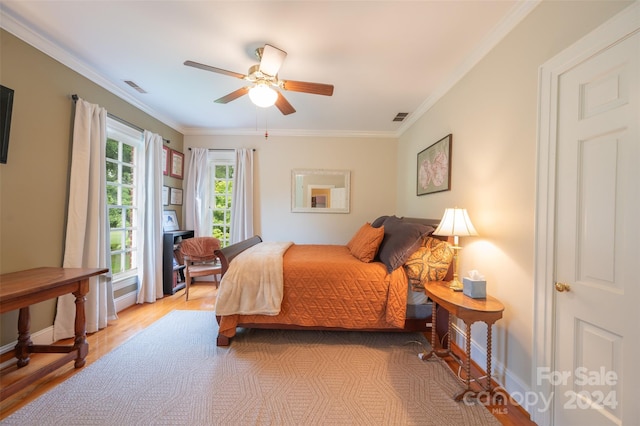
(205, 269)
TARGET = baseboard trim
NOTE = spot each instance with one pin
(41, 337)
(126, 300)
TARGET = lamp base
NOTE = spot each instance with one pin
(455, 285)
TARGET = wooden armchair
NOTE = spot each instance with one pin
(200, 259)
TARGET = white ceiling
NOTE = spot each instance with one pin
(383, 57)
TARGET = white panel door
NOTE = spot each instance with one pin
(597, 235)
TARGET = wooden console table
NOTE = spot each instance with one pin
(19, 290)
(469, 310)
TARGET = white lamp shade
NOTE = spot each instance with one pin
(455, 222)
(262, 95)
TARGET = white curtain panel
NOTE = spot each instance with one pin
(242, 207)
(87, 236)
(150, 221)
(196, 200)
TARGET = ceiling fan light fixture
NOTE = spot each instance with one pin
(262, 79)
(262, 95)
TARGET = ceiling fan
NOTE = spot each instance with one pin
(264, 76)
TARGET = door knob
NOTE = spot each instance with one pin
(562, 287)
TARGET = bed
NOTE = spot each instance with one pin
(373, 283)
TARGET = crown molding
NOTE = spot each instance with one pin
(198, 131)
(20, 29)
(29, 35)
(499, 32)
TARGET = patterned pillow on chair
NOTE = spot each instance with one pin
(429, 263)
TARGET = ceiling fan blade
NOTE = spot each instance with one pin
(306, 87)
(233, 95)
(214, 69)
(272, 59)
(283, 105)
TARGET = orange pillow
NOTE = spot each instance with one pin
(364, 244)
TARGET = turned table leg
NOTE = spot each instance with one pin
(489, 386)
(434, 335)
(467, 380)
(24, 337)
(450, 334)
(80, 343)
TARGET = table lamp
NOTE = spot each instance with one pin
(455, 222)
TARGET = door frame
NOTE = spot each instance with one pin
(621, 26)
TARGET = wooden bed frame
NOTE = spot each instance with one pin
(228, 253)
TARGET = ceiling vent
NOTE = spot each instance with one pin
(400, 116)
(135, 86)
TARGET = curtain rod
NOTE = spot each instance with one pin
(222, 149)
(125, 122)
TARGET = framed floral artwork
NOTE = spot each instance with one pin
(434, 167)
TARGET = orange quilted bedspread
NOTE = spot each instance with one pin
(325, 286)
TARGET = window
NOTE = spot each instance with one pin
(124, 152)
(221, 167)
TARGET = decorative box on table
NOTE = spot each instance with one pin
(476, 289)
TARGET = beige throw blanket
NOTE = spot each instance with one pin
(253, 284)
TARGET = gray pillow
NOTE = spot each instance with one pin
(401, 240)
(378, 222)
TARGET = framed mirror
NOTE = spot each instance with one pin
(320, 191)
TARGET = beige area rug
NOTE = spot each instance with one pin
(172, 373)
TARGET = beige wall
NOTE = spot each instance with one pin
(492, 114)
(33, 183)
(373, 175)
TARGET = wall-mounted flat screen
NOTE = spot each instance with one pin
(6, 107)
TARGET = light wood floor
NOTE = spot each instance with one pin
(133, 320)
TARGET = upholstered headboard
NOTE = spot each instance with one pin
(429, 222)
